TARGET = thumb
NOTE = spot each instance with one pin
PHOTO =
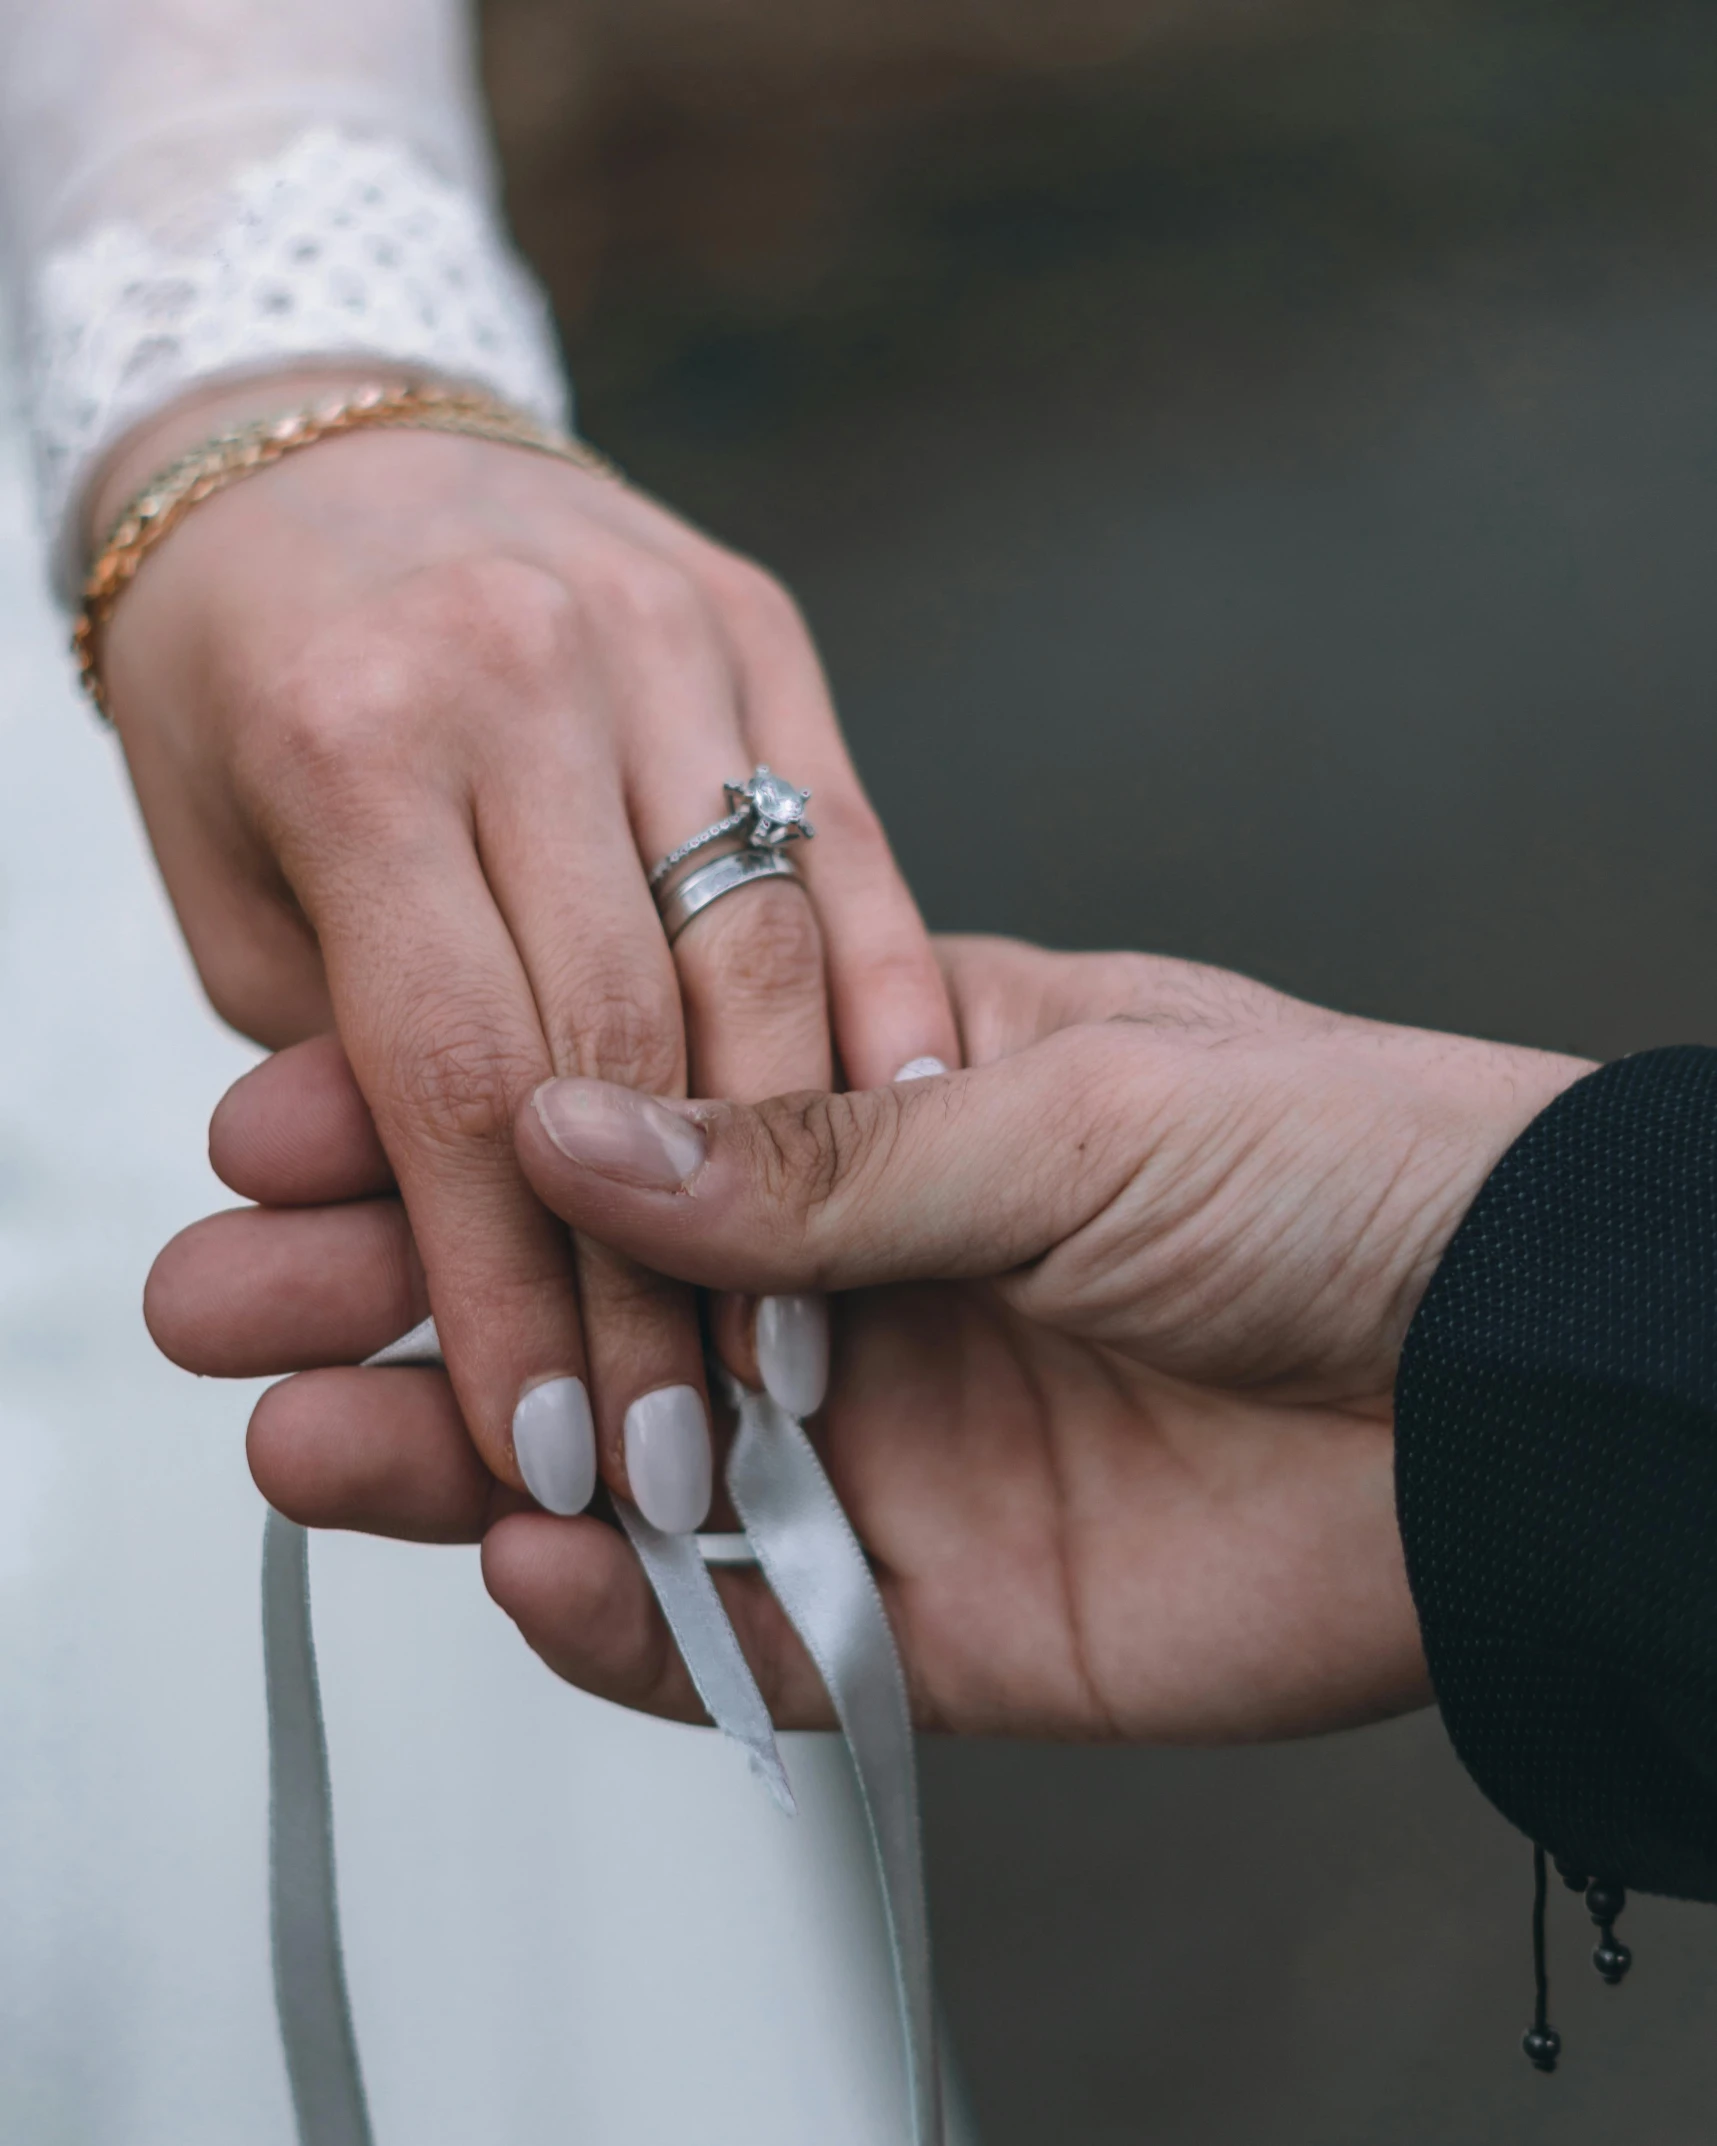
(967, 1175)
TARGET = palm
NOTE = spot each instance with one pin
(1142, 1486)
(1072, 1545)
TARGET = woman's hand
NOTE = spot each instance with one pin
(1111, 1405)
(408, 716)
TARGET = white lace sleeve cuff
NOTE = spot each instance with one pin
(338, 247)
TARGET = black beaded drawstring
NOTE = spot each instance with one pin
(1605, 1900)
(1540, 2041)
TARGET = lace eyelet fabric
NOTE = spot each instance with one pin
(337, 247)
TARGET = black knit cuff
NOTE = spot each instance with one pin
(1556, 1476)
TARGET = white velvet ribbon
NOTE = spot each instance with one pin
(817, 1569)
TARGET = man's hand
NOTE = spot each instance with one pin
(1120, 1311)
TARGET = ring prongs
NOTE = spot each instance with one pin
(777, 809)
(764, 811)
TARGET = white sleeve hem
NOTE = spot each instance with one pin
(340, 247)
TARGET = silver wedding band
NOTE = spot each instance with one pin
(722, 875)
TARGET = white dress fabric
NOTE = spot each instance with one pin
(562, 1923)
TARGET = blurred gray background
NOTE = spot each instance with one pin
(1254, 478)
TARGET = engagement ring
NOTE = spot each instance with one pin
(766, 809)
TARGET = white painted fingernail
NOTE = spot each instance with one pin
(555, 1439)
(921, 1069)
(668, 1459)
(793, 1351)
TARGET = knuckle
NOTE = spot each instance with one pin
(238, 992)
(500, 627)
(505, 610)
(271, 992)
(816, 1149)
(1165, 993)
(632, 597)
(330, 746)
(765, 948)
(317, 723)
(751, 597)
(617, 1026)
(363, 693)
(454, 1086)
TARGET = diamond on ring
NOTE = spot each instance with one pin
(765, 811)
(777, 809)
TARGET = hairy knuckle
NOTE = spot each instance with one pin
(616, 1026)
(1188, 995)
(454, 1086)
(815, 1149)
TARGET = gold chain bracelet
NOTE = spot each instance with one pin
(158, 509)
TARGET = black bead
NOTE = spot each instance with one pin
(1571, 1875)
(1543, 2045)
(1612, 1958)
(1604, 1902)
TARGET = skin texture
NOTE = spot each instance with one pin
(1119, 1310)
(406, 716)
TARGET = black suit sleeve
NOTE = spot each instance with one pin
(1556, 1476)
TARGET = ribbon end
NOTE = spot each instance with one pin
(709, 1647)
(767, 1767)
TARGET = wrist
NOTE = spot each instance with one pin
(208, 410)
(1484, 1096)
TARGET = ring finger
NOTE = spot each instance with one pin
(753, 983)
